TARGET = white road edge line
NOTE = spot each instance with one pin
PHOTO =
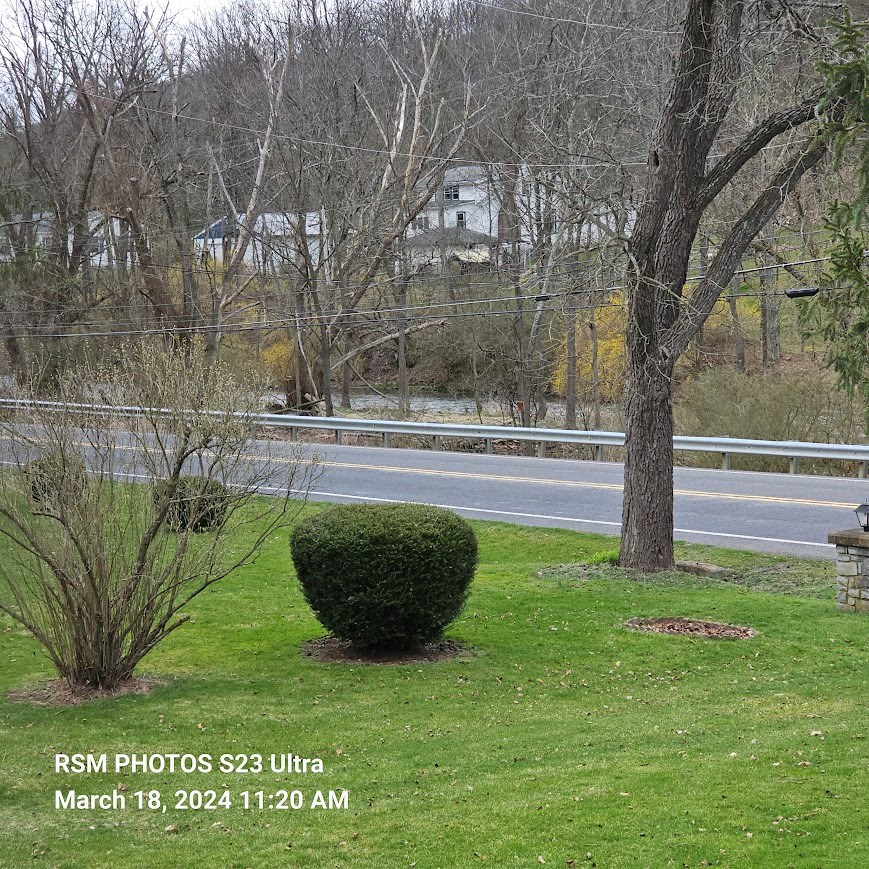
(272, 489)
(557, 518)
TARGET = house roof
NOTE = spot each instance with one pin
(43, 221)
(474, 173)
(270, 223)
(455, 236)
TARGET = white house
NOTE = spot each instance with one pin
(35, 234)
(466, 220)
(463, 223)
(274, 240)
(468, 200)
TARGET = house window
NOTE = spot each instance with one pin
(421, 223)
(461, 221)
(451, 193)
(96, 246)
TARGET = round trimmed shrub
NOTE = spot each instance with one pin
(55, 476)
(385, 576)
(196, 504)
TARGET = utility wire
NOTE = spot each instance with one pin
(624, 29)
(429, 306)
(314, 320)
(580, 162)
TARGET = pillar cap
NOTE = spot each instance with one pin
(849, 537)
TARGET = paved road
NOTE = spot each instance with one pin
(779, 513)
(764, 512)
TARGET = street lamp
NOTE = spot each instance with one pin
(863, 516)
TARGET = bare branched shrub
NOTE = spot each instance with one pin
(800, 403)
(94, 567)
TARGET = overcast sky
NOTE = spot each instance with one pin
(185, 9)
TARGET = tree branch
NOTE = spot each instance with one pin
(725, 169)
(391, 337)
(696, 309)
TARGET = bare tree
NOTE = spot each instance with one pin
(563, 112)
(69, 73)
(683, 182)
(375, 128)
(102, 518)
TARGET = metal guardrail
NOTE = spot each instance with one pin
(436, 431)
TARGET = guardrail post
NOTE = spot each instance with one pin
(725, 447)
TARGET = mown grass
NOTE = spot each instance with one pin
(563, 738)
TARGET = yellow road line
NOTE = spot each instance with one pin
(501, 478)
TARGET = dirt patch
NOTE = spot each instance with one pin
(59, 693)
(691, 628)
(330, 650)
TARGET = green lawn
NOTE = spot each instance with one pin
(564, 738)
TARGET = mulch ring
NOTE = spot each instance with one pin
(691, 628)
(59, 693)
(331, 650)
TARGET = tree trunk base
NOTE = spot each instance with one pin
(647, 513)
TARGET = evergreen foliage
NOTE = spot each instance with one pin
(385, 576)
(55, 476)
(841, 312)
(194, 503)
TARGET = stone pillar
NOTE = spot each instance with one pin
(852, 569)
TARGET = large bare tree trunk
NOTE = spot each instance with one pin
(680, 187)
(596, 401)
(17, 359)
(346, 379)
(212, 346)
(326, 366)
(769, 320)
(346, 370)
(704, 266)
(538, 359)
(647, 520)
(478, 398)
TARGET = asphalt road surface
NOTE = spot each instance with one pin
(779, 513)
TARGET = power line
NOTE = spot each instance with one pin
(623, 29)
(399, 310)
(314, 320)
(580, 162)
